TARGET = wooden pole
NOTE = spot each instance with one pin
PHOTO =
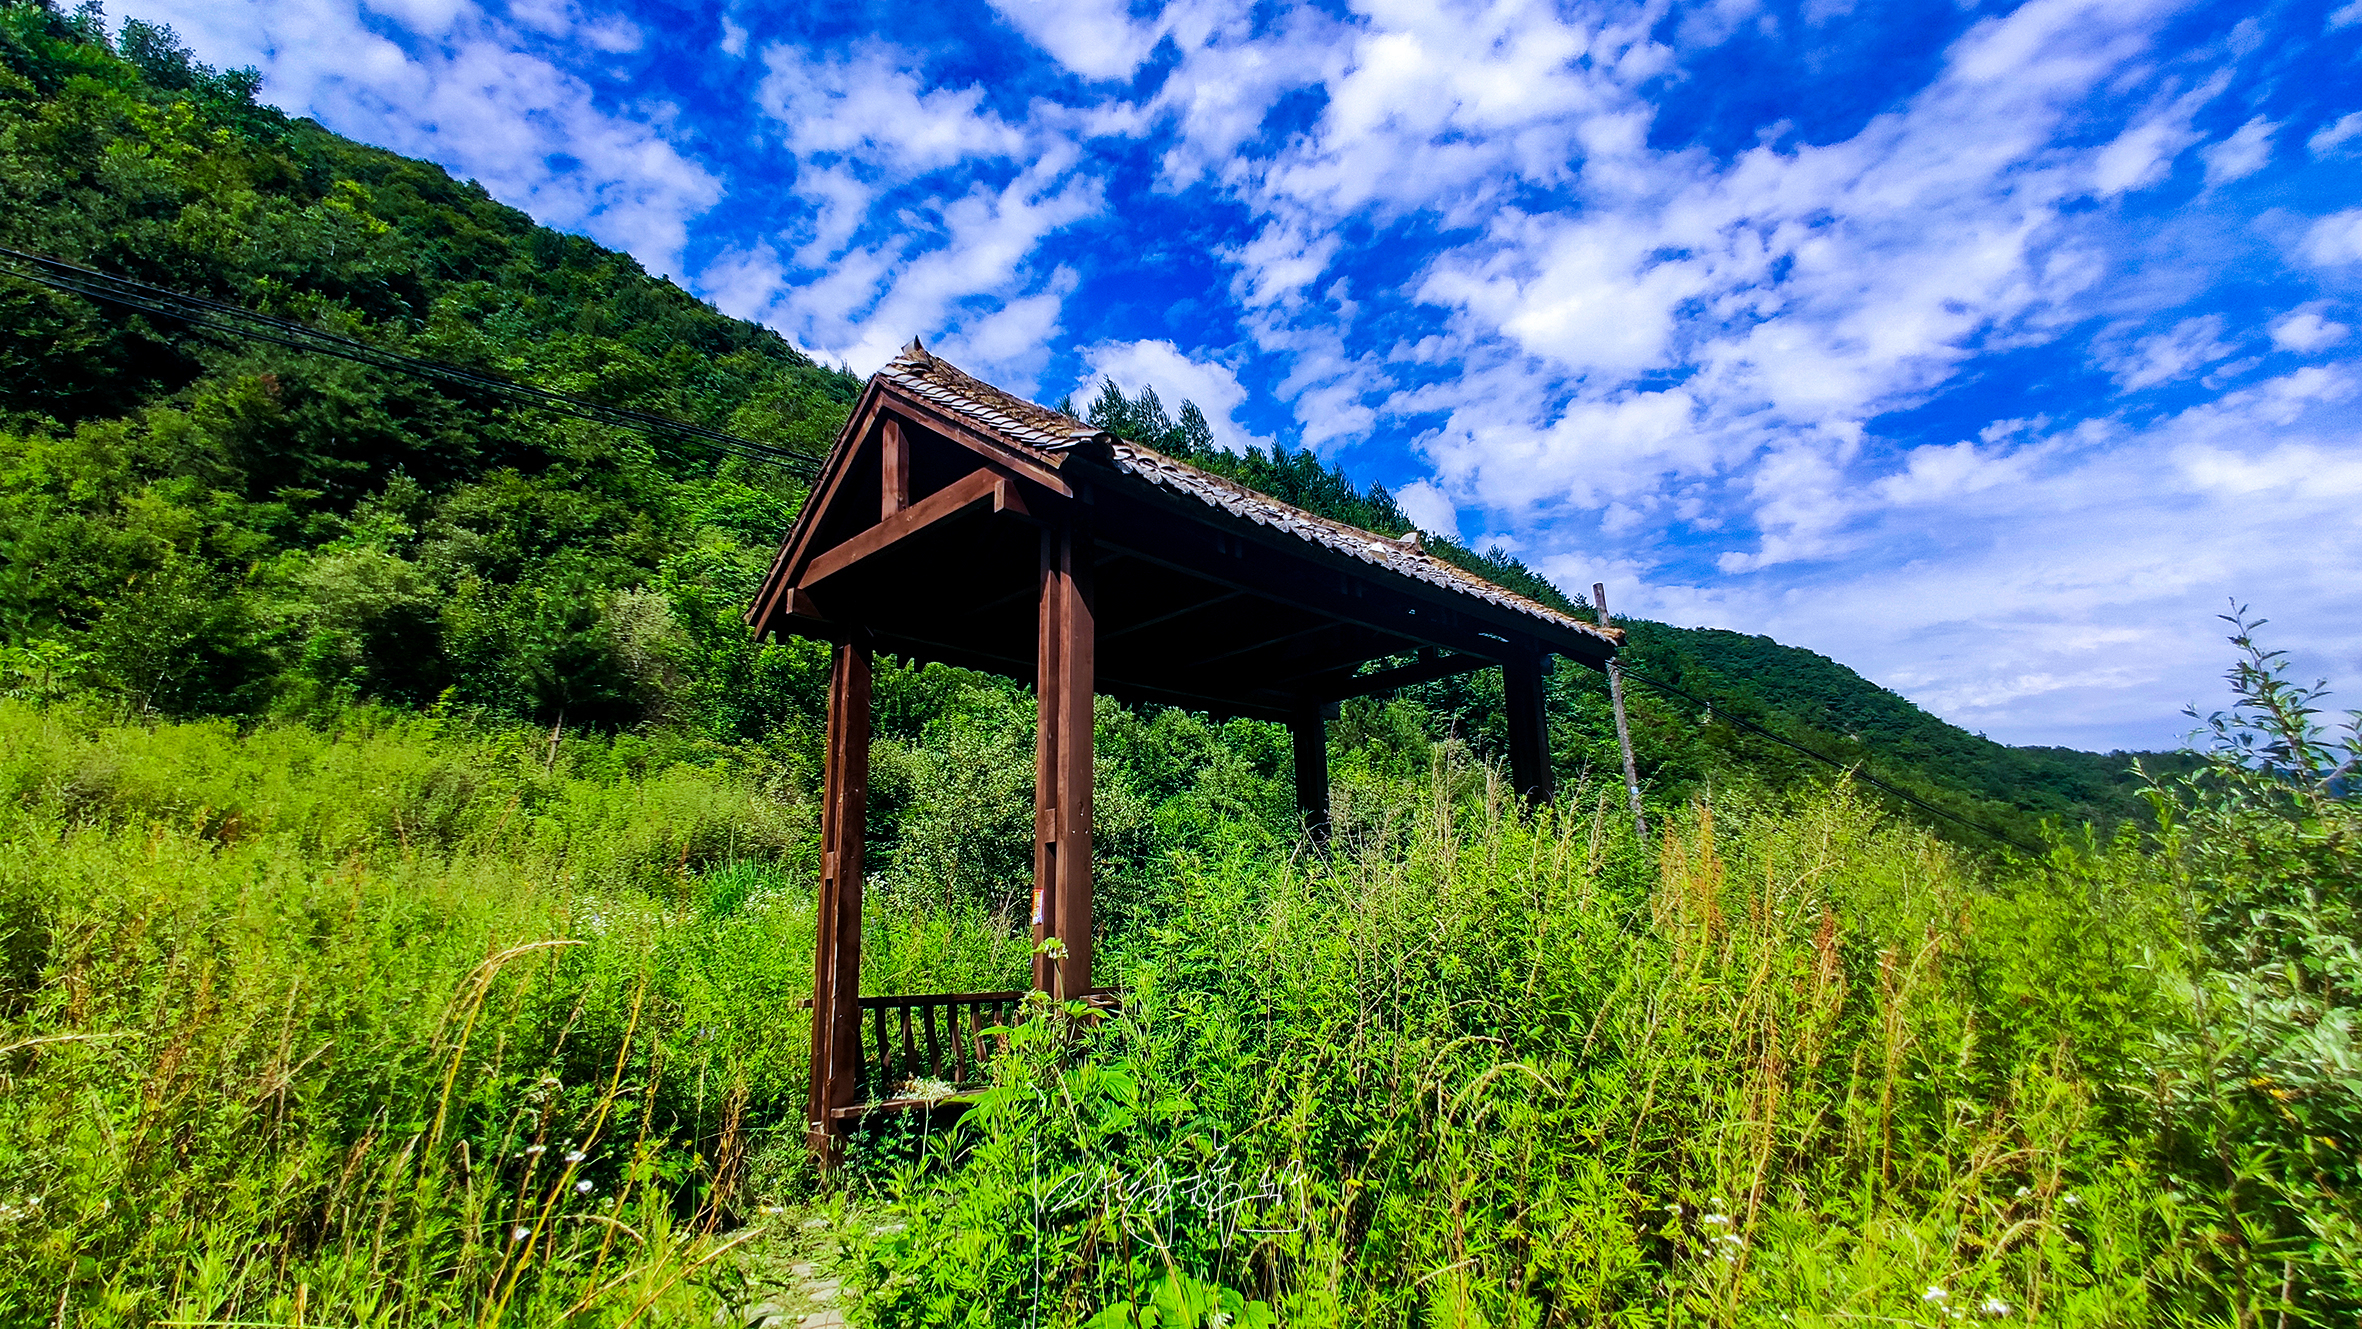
(1311, 734)
(836, 963)
(1615, 696)
(1064, 675)
(1529, 724)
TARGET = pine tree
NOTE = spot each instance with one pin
(1196, 440)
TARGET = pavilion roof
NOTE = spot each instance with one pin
(1053, 435)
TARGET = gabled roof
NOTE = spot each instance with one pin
(1053, 436)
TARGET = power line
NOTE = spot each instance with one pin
(239, 321)
(1855, 770)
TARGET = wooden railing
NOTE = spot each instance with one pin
(939, 1036)
(945, 1042)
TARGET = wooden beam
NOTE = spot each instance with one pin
(1529, 724)
(1401, 676)
(1017, 458)
(1301, 630)
(1064, 677)
(880, 402)
(954, 498)
(836, 962)
(922, 648)
(1129, 628)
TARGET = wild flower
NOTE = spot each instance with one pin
(1995, 1306)
(575, 1155)
(582, 1188)
(519, 1233)
(1934, 1294)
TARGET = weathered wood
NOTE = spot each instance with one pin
(910, 1057)
(953, 499)
(1528, 723)
(1615, 697)
(836, 966)
(1063, 678)
(893, 469)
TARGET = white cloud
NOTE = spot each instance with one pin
(734, 38)
(2144, 153)
(1800, 291)
(2333, 137)
(1094, 38)
(2335, 239)
(1177, 377)
(2067, 596)
(870, 107)
(2305, 330)
(930, 208)
(1425, 503)
(2188, 347)
(2242, 154)
(2345, 16)
(469, 96)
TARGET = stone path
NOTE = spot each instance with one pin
(772, 1315)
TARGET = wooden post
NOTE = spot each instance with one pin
(893, 469)
(1529, 724)
(1064, 675)
(1311, 733)
(836, 963)
(1615, 697)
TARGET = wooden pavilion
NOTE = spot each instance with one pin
(955, 522)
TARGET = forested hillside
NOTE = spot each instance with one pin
(202, 524)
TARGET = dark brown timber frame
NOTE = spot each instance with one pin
(955, 522)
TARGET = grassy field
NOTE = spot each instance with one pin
(409, 1021)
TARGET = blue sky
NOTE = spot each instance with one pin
(1989, 349)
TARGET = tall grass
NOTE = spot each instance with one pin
(413, 1022)
(404, 1023)
(1792, 1064)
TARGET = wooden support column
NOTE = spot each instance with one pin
(836, 963)
(1311, 733)
(1529, 725)
(1065, 673)
(893, 469)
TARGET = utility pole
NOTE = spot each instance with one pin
(1615, 696)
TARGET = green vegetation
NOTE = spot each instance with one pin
(412, 1021)
(406, 861)
(209, 525)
